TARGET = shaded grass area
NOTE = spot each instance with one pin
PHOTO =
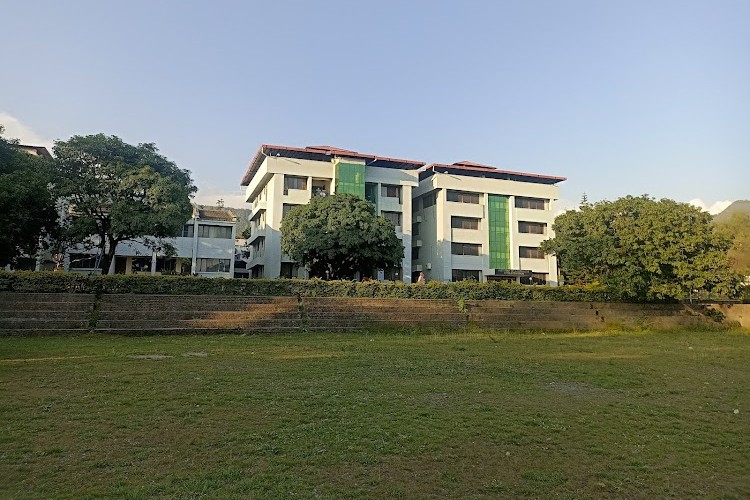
(472, 415)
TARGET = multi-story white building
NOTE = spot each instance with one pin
(280, 177)
(206, 247)
(474, 221)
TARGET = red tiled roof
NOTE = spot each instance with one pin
(265, 149)
(492, 171)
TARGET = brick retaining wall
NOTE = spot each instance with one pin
(40, 313)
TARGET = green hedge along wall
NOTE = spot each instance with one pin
(188, 285)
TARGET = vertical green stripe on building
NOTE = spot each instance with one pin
(350, 178)
(499, 223)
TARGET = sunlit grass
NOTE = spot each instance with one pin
(480, 414)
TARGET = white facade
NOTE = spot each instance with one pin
(206, 248)
(281, 176)
(453, 240)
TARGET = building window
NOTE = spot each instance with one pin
(530, 253)
(464, 223)
(286, 208)
(294, 182)
(213, 265)
(371, 193)
(288, 270)
(392, 274)
(465, 274)
(188, 230)
(256, 272)
(463, 197)
(258, 247)
(429, 200)
(208, 231)
(414, 253)
(83, 261)
(532, 203)
(532, 227)
(390, 191)
(535, 279)
(415, 229)
(394, 217)
(465, 249)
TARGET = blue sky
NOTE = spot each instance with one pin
(622, 98)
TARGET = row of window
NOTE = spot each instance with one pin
(394, 217)
(475, 275)
(454, 196)
(85, 261)
(296, 182)
(476, 249)
(207, 231)
(523, 227)
(212, 265)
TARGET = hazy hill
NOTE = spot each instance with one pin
(739, 206)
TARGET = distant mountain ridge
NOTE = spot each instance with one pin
(739, 206)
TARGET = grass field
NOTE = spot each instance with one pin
(374, 415)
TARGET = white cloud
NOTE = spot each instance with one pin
(714, 208)
(14, 129)
(211, 194)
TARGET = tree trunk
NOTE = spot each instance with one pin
(108, 254)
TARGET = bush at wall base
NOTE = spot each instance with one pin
(48, 282)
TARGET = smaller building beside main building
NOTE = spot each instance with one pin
(206, 247)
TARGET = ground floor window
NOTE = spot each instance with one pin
(83, 261)
(535, 279)
(256, 272)
(393, 274)
(289, 270)
(213, 265)
(466, 274)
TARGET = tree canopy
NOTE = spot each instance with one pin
(339, 235)
(119, 192)
(27, 206)
(737, 226)
(643, 248)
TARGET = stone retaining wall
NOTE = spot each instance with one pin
(40, 313)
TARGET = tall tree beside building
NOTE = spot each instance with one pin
(643, 248)
(737, 226)
(27, 206)
(119, 192)
(339, 235)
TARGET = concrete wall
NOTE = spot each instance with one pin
(30, 313)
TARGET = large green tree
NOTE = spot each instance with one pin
(119, 192)
(738, 228)
(643, 248)
(27, 207)
(339, 235)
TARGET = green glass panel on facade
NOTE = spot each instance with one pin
(499, 223)
(350, 178)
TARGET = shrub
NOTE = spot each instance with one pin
(190, 285)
